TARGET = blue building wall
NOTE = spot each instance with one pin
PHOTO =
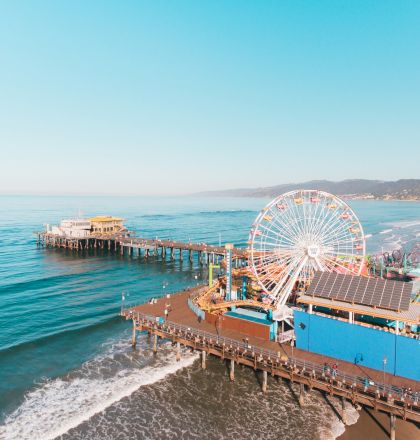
(357, 344)
(408, 357)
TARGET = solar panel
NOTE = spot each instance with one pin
(375, 292)
(315, 282)
(329, 285)
(345, 287)
(337, 289)
(359, 293)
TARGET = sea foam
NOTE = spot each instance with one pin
(61, 404)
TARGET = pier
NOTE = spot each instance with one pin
(184, 325)
(288, 308)
(143, 247)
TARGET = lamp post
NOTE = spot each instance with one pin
(384, 360)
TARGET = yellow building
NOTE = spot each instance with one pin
(106, 224)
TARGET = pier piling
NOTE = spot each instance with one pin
(343, 410)
(264, 382)
(392, 426)
(134, 338)
(232, 370)
(302, 395)
(203, 359)
(155, 341)
(178, 351)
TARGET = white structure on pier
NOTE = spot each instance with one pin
(78, 228)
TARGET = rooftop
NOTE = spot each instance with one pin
(106, 218)
(410, 316)
(373, 292)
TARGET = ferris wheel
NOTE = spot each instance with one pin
(301, 232)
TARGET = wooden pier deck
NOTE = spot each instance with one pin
(353, 382)
(138, 246)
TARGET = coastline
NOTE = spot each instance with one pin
(375, 426)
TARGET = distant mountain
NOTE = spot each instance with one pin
(404, 189)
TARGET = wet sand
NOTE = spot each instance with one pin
(375, 426)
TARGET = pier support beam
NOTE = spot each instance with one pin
(392, 420)
(264, 382)
(203, 359)
(232, 370)
(134, 338)
(343, 411)
(155, 341)
(302, 395)
(178, 351)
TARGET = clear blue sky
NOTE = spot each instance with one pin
(113, 97)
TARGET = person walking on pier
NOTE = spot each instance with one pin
(334, 369)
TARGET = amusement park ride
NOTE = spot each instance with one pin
(295, 235)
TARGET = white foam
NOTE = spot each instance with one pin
(60, 405)
(386, 231)
(337, 427)
(406, 224)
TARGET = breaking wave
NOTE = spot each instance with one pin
(58, 405)
(406, 224)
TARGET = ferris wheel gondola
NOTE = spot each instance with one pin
(301, 232)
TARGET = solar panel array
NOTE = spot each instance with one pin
(375, 292)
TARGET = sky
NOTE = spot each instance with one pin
(174, 97)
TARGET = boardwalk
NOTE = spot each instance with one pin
(354, 383)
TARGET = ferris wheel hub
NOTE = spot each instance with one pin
(313, 250)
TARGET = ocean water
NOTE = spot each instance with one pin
(67, 369)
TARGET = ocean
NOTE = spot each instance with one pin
(67, 369)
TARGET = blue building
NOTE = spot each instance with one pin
(367, 321)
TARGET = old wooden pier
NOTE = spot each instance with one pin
(364, 387)
(142, 247)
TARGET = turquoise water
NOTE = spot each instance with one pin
(59, 309)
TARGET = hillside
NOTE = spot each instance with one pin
(404, 189)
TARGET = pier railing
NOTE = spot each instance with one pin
(398, 396)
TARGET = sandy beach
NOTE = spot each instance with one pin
(375, 426)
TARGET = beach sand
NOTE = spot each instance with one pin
(373, 425)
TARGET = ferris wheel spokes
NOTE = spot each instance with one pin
(300, 232)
